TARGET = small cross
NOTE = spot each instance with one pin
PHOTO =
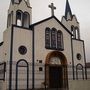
(52, 8)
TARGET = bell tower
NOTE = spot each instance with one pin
(19, 13)
(70, 21)
(17, 39)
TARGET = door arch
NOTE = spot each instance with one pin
(51, 66)
(22, 75)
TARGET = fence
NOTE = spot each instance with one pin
(44, 77)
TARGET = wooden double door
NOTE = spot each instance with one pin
(55, 77)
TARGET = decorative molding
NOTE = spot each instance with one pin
(22, 27)
(78, 39)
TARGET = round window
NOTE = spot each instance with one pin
(22, 50)
(79, 56)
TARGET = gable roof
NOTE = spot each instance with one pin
(49, 19)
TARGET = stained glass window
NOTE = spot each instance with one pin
(47, 37)
(59, 40)
(53, 38)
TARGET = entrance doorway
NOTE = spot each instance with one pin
(56, 70)
(55, 77)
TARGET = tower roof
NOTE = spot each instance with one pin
(68, 10)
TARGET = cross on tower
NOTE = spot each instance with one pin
(52, 8)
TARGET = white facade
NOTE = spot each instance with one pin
(27, 56)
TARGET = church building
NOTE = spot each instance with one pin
(46, 55)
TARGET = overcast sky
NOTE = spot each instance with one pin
(40, 10)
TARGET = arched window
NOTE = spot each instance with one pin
(77, 33)
(53, 37)
(22, 75)
(12, 17)
(9, 20)
(79, 72)
(73, 31)
(47, 37)
(26, 19)
(19, 16)
(59, 40)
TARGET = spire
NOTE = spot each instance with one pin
(68, 10)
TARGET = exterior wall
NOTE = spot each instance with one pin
(78, 45)
(88, 73)
(79, 85)
(21, 37)
(6, 45)
(78, 48)
(1, 53)
(6, 52)
(2, 85)
(41, 52)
